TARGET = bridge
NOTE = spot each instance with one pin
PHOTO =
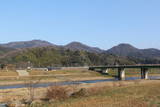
(121, 69)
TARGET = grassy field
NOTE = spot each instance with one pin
(137, 94)
(11, 77)
(112, 72)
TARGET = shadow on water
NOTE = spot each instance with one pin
(73, 82)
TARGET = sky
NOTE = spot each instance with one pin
(98, 23)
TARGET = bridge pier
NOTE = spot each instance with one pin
(121, 69)
(121, 73)
(144, 73)
(105, 71)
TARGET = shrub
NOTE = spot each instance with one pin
(57, 93)
(81, 93)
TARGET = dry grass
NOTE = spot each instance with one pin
(35, 72)
(67, 71)
(50, 76)
(57, 93)
(9, 73)
(68, 74)
(138, 93)
(119, 95)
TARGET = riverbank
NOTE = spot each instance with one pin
(6, 78)
(130, 93)
(100, 83)
(121, 94)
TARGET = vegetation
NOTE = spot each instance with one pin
(57, 93)
(48, 56)
(121, 94)
(4, 50)
(39, 53)
(139, 56)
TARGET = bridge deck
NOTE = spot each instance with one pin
(124, 66)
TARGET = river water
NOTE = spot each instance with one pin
(73, 82)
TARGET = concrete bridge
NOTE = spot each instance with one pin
(121, 69)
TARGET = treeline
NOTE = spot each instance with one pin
(49, 57)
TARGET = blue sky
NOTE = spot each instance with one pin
(101, 23)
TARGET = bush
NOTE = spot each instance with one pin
(57, 93)
(81, 93)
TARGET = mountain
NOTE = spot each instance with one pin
(142, 55)
(50, 56)
(79, 54)
(39, 43)
(27, 44)
(4, 50)
(146, 53)
(151, 52)
(79, 46)
(122, 50)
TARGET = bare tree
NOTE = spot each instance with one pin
(31, 85)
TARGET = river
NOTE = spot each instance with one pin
(72, 82)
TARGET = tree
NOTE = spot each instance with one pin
(2, 66)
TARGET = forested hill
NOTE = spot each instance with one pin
(4, 50)
(42, 53)
(145, 56)
(41, 43)
(27, 44)
(82, 47)
(49, 56)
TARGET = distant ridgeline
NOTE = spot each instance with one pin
(38, 53)
(48, 57)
